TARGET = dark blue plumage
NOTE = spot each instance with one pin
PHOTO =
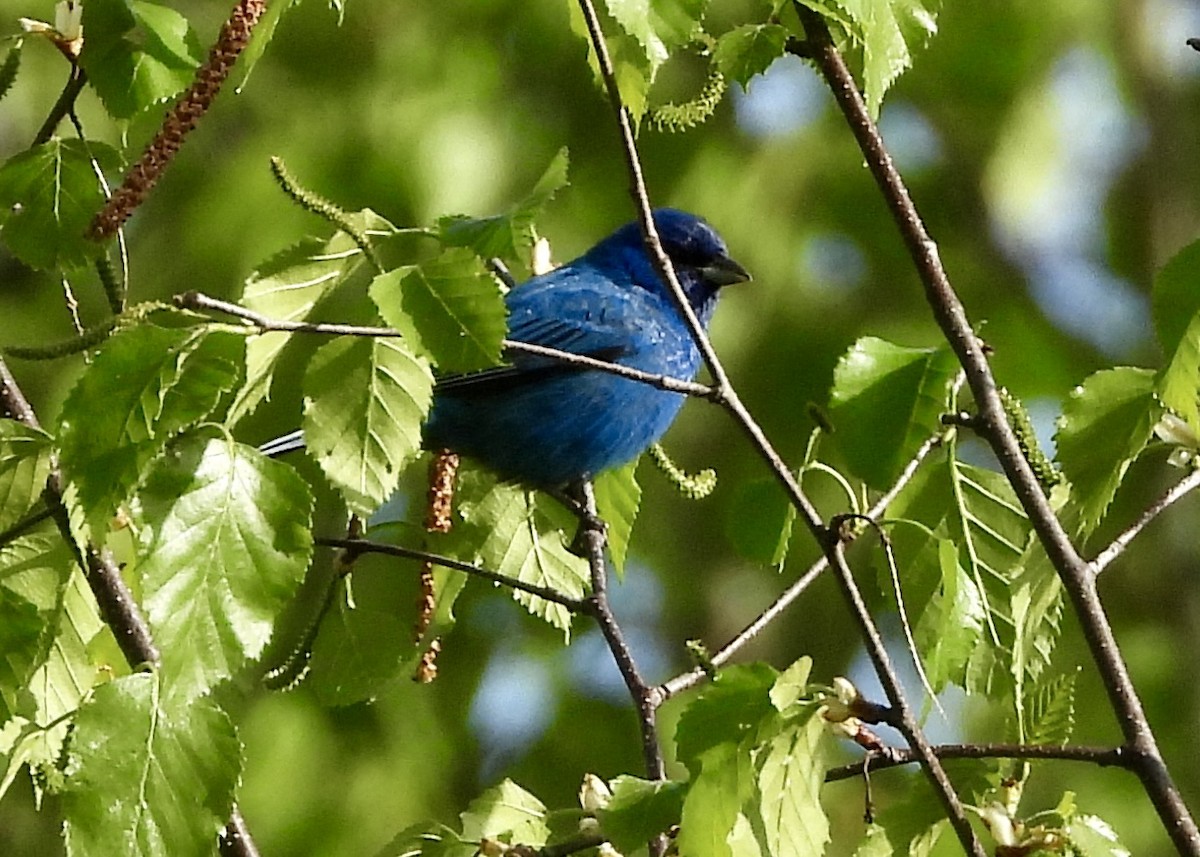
(545, 423)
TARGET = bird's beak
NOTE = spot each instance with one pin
(723, 271)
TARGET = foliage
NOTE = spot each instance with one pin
(143, 455)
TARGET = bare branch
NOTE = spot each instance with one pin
(361, 546)
(896, 756)
(1075, 572)
(1114, 550)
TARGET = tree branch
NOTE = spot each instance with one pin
(361, 546)
(202, 303)
(64, 105)
(948, 310)
(1114, 550)
(896, 756)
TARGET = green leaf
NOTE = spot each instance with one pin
(632, 66)
(12, 63)
(522, 535)
(225, 540)
(359, 650)
(791, 771)
(449, 309)
(618, 497)
(792, 684)
(137, 54)
(65, 671)
(264, 32)
(1176, 308)
(429, 840)
(888, 32)
(886, 401)
(1050, 711)
(953, 624)
(48, 197)
(24, 467)
(712, 822)
(150, 773)
(749, 50)
(288, 287)
(760, 522)
(659, 25)
(1105, 425)
(507, 236)
(506, 813)
(34, 571)
(365, 400)
(145, 384)
(639, 810)
(1094, 837)
(728, 710)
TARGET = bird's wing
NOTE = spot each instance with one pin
(563, 310)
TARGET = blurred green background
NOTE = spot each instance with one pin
(1052, 149)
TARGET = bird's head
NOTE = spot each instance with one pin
(698, 254)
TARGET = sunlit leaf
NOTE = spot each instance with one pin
(365, 400)
(137, 54)
(790, 771)
(1105, 425)
(225, 542)
(24, 466)
(749, 50)
(640, 810)
(145, 384)
(1177, 322)
(150, 773)
(507, 813)
(618, 497)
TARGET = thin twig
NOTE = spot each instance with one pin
(1182, 487)
(201, 302)
(695, 676)
(902, 717)
(361, 546)
(63, 106)
(896, 756)
(593, 540)
(951, 317)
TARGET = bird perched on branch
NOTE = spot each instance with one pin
(544, 422)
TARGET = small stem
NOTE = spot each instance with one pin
(896, 756)
(1182, 487)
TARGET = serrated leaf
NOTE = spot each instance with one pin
(886, 401)
(618, 497)
(507, 813)
(1050, 711)
(760, 522)
(659, 25)
(145, 384)
(792, 684)
(749, 50)
(365, 400)
(522, 535)
(449, 309)
(12, 63)
(137, 54)
(790, 771)
(48, 197)
(288, 287)
(34, 570)
(712, 822)
(728, 710)
(953, 624)
(429, 840)
(632, 67)
(24, 467)
(65, 671)
(507, 236)
(225, 541)
(1105, 425)
(150, 773)
(888, 32)
(1094, 837)
(639, 810)
(1176, 309)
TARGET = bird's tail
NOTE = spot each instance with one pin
(286, 443)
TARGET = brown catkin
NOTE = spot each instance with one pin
(143, 175)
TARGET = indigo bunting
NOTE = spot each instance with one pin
(546, 423)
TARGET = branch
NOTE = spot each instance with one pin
(593, 540)
(64, 105)
(360, 546)
(202, 302)
(690, 679)
(896, 756)
(1114, 550)
(948, 310)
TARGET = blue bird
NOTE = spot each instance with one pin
(546, 423)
